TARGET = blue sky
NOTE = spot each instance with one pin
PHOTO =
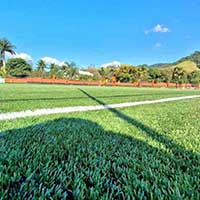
(102, 31)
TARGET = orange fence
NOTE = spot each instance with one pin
(99, 83)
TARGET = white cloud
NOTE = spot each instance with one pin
(114, 63)
(24, 56)
(158, 29)
(158, 45)
(50, 60)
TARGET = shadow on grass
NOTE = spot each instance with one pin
(72, 158)
(81, 97)
(159, 137)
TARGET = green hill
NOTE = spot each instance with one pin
(189, 63)
(159, 65)
(195, 57)
(188, 66)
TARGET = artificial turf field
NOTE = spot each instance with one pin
(143, 152)
(23, 97)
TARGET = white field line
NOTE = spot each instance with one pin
(49, 111)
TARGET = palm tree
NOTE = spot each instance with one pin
(53, 70)
(41, 67)
(108, 73)
(5, 46)
(69, 70)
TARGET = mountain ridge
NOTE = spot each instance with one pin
(188, 63)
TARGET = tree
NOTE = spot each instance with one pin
(194, 77)
(92, 69)
(126, 73)
(53, 70)
(107, 72)
(166, 74)
(41, 65)
(5, 46)
(141, 74)
(179, 75)
(155, 75)
(195, 57)
(143, 65)
(69, 70)
(18, 67)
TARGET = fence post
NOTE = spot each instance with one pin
(153, 84)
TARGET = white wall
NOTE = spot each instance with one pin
(2, 80)
(85, 73)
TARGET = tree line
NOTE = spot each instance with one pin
(18, 67)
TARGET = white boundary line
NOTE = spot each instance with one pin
(50, 111)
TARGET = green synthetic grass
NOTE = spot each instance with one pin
(144, 152)
(20, 97)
